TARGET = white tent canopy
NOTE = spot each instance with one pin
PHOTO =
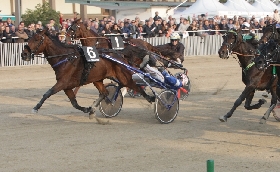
(265, 6)
(208, 7)
(242, 8)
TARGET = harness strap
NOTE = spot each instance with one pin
(248, 67)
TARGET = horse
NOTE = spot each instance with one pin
(69, 65)
(253, 78)
(134, 49)
(269, 32)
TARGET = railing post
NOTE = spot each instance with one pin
(210, 165)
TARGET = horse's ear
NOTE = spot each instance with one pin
(44, 31)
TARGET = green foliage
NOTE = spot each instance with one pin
(41, 13)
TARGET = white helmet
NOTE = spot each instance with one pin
(246, 24)
(175, 35)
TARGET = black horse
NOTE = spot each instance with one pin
(254, 79)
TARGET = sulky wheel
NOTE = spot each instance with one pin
(110, 107)
(166, 106)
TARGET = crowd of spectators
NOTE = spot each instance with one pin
(155, 26)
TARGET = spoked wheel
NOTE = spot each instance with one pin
(110, 106)
(276, 112)
(166, 106)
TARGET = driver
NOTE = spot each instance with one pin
(175, 45)
(247, 30)
(157, 72)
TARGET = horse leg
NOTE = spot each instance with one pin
(76, 89)
(272, 105)
(71, 95)
(102, 94)
(249, 100)
(241, 98)
(45, 96)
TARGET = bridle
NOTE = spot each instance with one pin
(270, 57)
(32, 53)
(273, 34)
(232, 45)
(73, 28)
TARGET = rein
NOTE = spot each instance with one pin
(91, 37)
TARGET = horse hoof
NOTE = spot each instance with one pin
(262, 101)
(34, 111)
(223, 119)
(91, 116)
(152, 99)
(88, 110)
(262, 121)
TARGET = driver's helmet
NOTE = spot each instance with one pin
(175, 35)
(245, 25)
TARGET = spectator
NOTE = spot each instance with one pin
(116, 29)
(53, 26)
(201, 32)
(102, 24)
(126, 29)
(95, 27)
(262, 25)
(193, 27)
(20, 34)
(256, 25)
(223, 26)
(236, 25)
(2, 28)
(149, 30)
(106, 30)
(156, 16)
(134, 29)
(230, 24)
(140, 28)
(206, 26)
(30, 31)
(40, 26)
(211, 23)
(276, 16)
(217, 28)
(9, 22)
(184, 25)
(7, 33)
(158, 27)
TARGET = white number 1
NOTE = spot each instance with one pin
(117, 40)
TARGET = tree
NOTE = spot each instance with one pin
(41, 13)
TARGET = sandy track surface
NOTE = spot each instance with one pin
(61, 138)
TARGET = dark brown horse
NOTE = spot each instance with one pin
(134, 49)
(253, 78)
(69, 66)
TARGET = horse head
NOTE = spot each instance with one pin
(230, 41)
(269, 32)
(74, 30)
(269, 53)
(36, 45)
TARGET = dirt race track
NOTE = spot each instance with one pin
(61, 138)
